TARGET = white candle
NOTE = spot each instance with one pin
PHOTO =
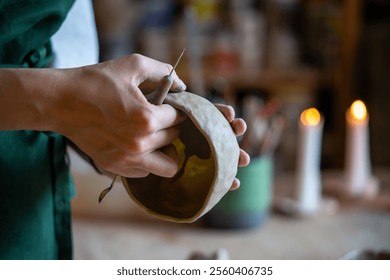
(357, 157)
(308, 176)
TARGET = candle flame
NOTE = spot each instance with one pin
(358, 110)
(311, 117)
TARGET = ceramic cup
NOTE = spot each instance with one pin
(208, 155)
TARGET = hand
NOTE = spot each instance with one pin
(106, 115)
(239, 128)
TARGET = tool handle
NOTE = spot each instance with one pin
(162, 90)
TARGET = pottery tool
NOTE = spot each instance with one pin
(157, 99)
(164, 85)
(252, 106)
(107, 190)
(265, 126)
(272, 136)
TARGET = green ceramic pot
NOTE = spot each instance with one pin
(249, 205)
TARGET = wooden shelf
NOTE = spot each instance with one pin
(270, 81)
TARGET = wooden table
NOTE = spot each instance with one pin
(118, 229)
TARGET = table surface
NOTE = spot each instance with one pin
(277, 238)
(119, 229)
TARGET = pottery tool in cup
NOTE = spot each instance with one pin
(157, 99)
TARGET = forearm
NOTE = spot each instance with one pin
(100, 108)
(25, 98)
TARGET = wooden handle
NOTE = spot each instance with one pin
(162, 90)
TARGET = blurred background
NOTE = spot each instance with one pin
(283, 55)
(322, 53)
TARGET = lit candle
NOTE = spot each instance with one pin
(357, 157)
(308, 177)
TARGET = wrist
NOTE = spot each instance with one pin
(33, 99)
(21, 102)
(45, 88)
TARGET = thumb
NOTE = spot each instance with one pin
(153, 70)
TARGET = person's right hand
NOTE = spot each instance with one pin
(103, 111)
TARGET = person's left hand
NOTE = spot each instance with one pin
(239, 127)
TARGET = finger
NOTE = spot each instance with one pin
(178, 85)
(244, 158)
(160, 164)
(227, 111)
(239, 126)
(135, 173)
(168, 116)
(154, 70)
(161, 138)
(235, 185)
(150, 142)
(169, 150)
(138, 95)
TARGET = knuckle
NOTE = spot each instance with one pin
(230, 110)
(126, 157)
(136, 57)
(137, 60)
(146, 121)
(137, 146)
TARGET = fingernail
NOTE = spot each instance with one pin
(235, 185)
(182, 85)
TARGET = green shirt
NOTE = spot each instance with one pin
(35, 183)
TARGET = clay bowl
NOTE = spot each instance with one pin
(208, 160)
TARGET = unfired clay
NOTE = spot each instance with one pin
(208, 149)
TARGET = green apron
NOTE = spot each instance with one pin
(35, 184)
